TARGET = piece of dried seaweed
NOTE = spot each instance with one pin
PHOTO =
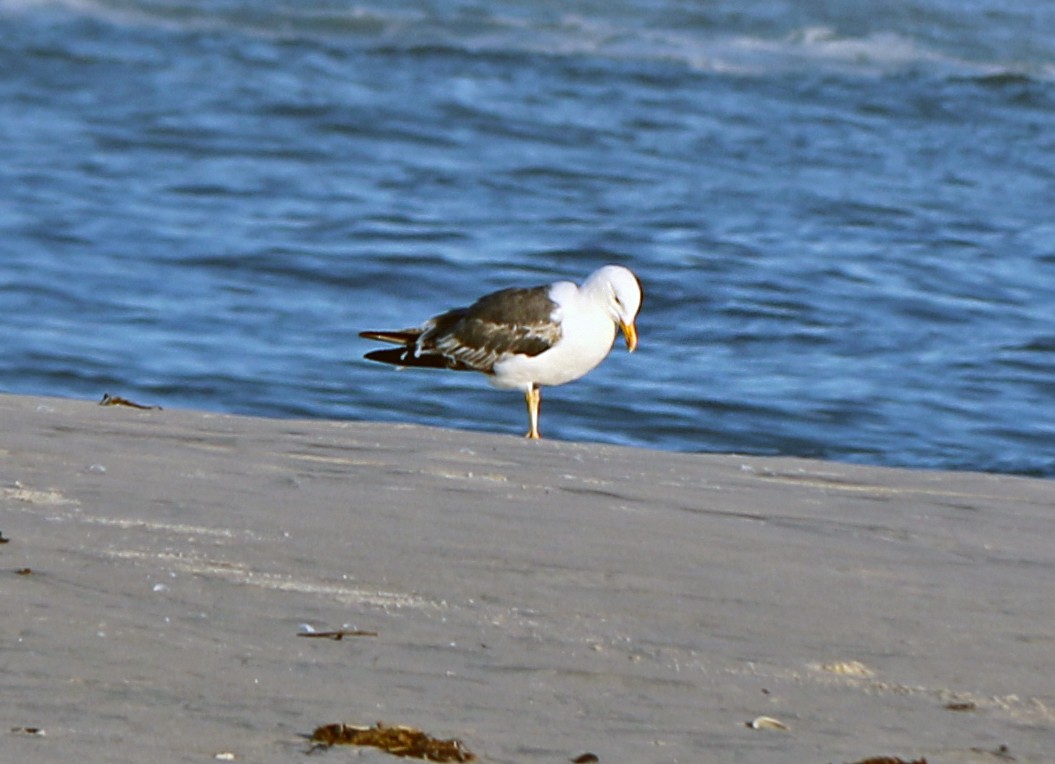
(337, 635)
(397, 740)
(117, 400)
(34, 731)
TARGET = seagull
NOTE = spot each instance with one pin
(525, 337)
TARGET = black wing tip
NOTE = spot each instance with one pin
(404, 356)
(399, 337)
(394, 356)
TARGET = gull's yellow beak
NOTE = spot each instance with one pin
(630, 335)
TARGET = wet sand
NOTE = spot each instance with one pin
(536, 600)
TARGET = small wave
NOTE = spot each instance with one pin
(1003, 79)
(1027, 89)
(251, 19)
(705, 48)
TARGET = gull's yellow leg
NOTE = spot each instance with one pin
(533, 397)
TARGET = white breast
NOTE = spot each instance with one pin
(588, 332)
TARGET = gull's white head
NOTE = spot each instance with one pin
(620, 291)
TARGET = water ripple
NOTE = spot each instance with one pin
(841, 218)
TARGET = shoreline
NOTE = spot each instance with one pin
(534, 600)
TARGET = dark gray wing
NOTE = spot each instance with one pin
(510, 322)
(506, 323)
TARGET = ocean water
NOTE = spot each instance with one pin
(843, 214)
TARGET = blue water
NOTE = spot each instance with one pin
(843, 213)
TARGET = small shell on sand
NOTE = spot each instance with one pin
(768, 723)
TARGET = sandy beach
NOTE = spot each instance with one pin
(537, 601)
